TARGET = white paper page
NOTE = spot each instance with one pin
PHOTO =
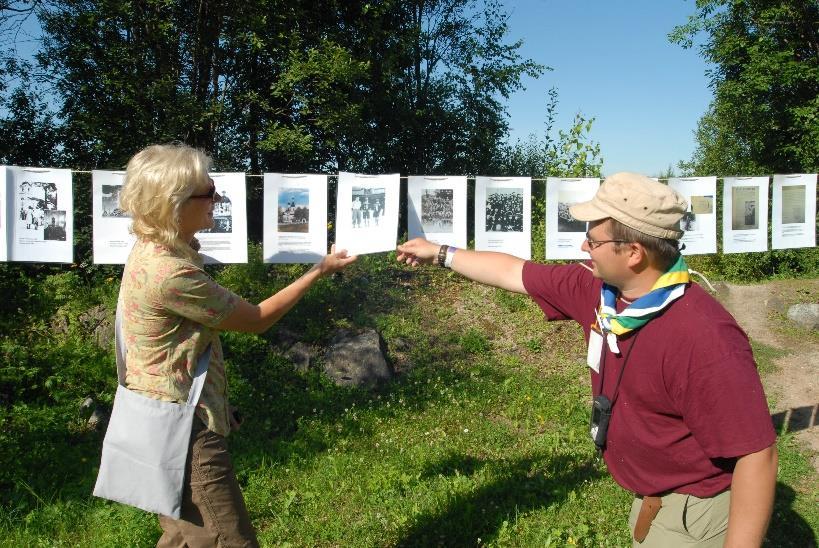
(295, 218)
(367, 212)
(565, 234)
(43, 206)
(794, 211)
(744, 214)
(503, 215)
(700, 221)
(112, 240)
(226, 242)
(436, 209)
(6, 213)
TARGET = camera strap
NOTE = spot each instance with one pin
(616, 390)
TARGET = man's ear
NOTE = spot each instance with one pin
(637, 255)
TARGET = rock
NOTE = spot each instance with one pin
(96, 323)
(357, 359)
(301, 355)
(87, 407)
(97, 418)
(805, 314)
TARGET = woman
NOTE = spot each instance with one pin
(172, 312)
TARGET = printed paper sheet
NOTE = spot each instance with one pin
(794, 211)
(503, 215)
(295, 218)
(367, 212)
(564, 233)
(744, 214)
(700, 221)
(42, 229)
(436, 209)
(6, 213)
(226, 242)
(112, 240)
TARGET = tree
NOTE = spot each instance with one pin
(765, 114)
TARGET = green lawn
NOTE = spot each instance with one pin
(480, 441)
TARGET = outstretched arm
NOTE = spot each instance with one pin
(486, 267)
(752, 496)
(252, 318)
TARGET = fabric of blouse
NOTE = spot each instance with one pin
(170, 309)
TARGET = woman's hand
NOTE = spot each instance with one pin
(335, 261)
(417, 251)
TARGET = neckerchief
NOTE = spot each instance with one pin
(668, 287)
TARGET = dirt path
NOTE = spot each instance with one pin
(794, 384)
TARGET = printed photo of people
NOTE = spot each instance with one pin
(565, 221)
(367, 207)
(110, 201)
(437, 210)
(222, 215)
(294, 210)
(504, 210)
(37, 201)
(743, 208)
(55, 227)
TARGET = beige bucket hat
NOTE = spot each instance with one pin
(638, 202)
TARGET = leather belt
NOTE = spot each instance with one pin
(648, 511)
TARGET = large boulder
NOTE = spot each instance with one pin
(805, 314)
(357, 359)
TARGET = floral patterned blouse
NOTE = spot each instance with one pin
(170, 309)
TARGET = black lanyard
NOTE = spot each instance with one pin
(619, 377)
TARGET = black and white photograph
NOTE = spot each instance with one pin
(55, 226)
(504, 210)
(688, 222)
(110, 201)
(565, 221)
(744, 214)
(294, 210)
(367, 208)
(437, 210)
(222, 215)
(36, 201)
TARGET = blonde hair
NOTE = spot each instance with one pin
(158, 180)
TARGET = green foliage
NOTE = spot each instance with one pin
(765, 114)
(476, 439)
(474, 342)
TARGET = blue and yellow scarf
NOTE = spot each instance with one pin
(668, 288)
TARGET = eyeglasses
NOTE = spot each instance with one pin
(594, 244)
(209, 194)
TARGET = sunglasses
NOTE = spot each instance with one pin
(209, 194)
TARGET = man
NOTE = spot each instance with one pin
(688, 426)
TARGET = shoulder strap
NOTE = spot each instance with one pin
(121, 352)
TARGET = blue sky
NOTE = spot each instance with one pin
(612, 61)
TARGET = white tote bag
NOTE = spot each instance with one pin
(146, 444)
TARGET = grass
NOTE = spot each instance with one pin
(481, 440)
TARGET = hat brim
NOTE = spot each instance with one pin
(588, 211)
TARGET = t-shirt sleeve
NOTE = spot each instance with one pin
(563, 292)
(724, 404)
(191, 293)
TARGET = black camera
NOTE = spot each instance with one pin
(599, 423)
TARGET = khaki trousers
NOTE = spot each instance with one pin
(686, 521)
(213, 509)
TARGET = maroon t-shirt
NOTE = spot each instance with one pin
(690, 400)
